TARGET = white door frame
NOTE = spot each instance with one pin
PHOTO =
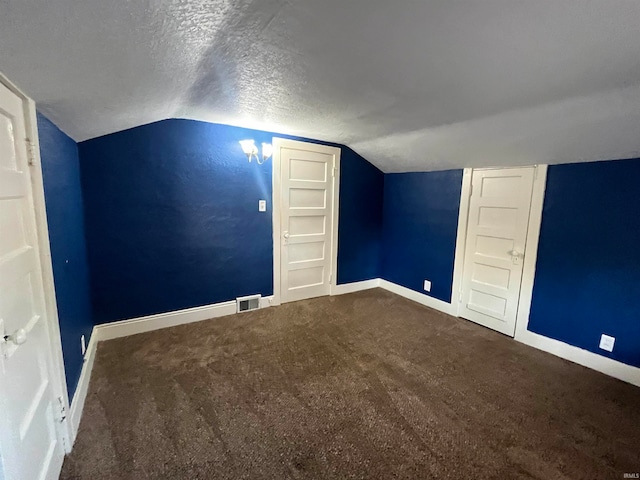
(531, 252)
(59, 382)
(279, 143)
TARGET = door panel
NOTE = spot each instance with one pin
(307, 198)
(306, 220)
(29, 441)
(305, 225)
(495, 246)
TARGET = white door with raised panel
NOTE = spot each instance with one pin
(308, 179)
(495, 246)
(30, 447)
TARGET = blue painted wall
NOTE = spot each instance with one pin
(61, 172)
(419, 232)
(360, 217)
(172, 219)
(588, 268)
(172, 222)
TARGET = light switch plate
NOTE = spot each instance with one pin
(427, 285)
(262, 205)
(606, 342)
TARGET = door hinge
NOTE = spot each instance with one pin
(460, 297)
(62, 415)
(333, 172)
(60, 418)
(31, 152)
(535, 172)
(471, 190)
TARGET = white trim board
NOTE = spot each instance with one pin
(418, 297)
(605, 365)
(44, 246)
(588, 359)
(80, 395)
(58, 378)
(344, 288)
(124, 328)
(461, 240)
(164, 320)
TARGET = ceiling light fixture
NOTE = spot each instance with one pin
(251, 150)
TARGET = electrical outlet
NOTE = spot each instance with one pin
(606, 342)
(83, 345)
(262, 205)
(427, 285)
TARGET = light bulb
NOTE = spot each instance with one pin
(267, 151)
(249, 147)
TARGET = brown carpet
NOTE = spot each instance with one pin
(368, 385)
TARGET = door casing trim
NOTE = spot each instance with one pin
(279, 143)
(59, 382)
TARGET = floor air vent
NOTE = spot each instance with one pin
(252, 302)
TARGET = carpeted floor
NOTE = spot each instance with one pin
(367, 385)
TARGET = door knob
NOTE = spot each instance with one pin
(18, 337)
(516, 256)
(285, 234)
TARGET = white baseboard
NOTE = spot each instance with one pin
(354, 286)
(605, 365)
(80, 395)
(266, 301)
(417, 297)
(124, 328)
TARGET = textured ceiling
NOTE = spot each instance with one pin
(409, 84)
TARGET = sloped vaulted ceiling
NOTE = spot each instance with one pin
(410, 84)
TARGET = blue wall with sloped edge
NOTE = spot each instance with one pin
(172, 219)
(171, 222)
(360, 217)
(587, 279)
(65, 217)
(419, 230)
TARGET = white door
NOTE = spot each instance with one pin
(308, 175)
(495, 246)
(30, 446)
